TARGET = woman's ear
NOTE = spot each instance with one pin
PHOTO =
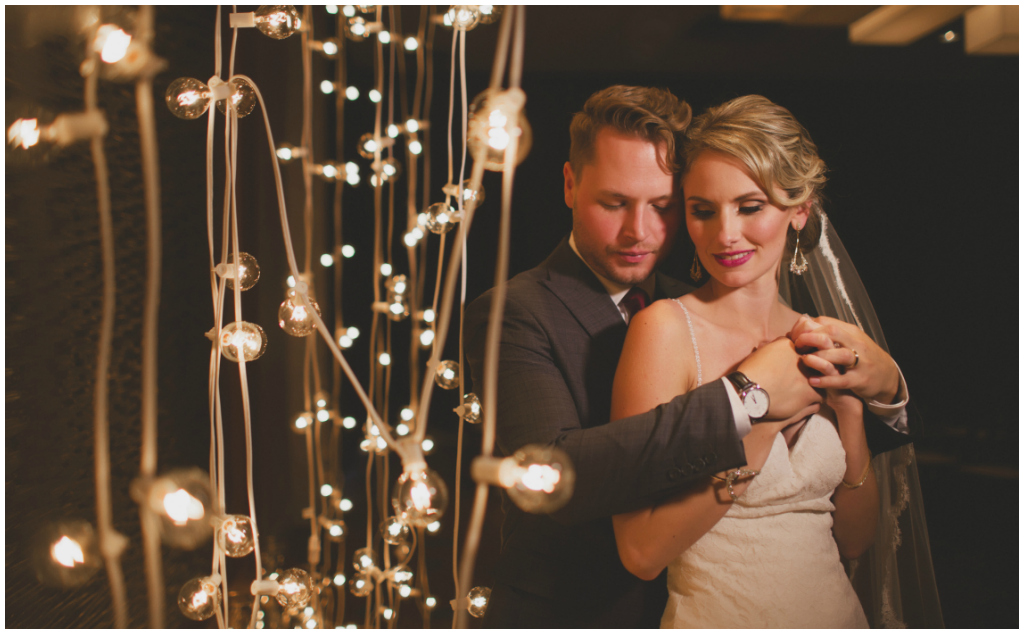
(801, 214)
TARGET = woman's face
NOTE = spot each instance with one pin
(740, 236)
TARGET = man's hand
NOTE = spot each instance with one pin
(776, 368)
(869, 372)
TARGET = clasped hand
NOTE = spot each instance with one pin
(847, 359)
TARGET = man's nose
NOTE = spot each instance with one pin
(635, 224)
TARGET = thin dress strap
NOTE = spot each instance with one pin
(693, 338)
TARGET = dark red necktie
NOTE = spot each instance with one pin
(635, 300)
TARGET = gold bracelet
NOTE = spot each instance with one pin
(733, 475)
(863, 476)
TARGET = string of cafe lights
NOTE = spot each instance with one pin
(185, 503)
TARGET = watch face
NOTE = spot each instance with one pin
(756, 403)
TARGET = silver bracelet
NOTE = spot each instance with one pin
(735, 474)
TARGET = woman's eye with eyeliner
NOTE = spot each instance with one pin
(751, 209)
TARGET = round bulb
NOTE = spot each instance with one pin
(66, 554)
(243, 97)
(430, 601)
(440, 218)
(339, 579)
(301, 422)
(199, 598)
(296, 588)
(294, 318)
(495, 117)
(332, 9)
(393, 130)
(184, 502)
(489, 13)
(278, 21)
(352, 93)
(428, 315)
(463, 16)
(327, 86)
(364, 560)
(411, 43)
(330, 47)
(336, 530)
(419, 497)
(426, 338)
(242, 339)
(478, 597)
(248, 271)
(396, 532)
(349, 422)
(235, 536)
(427, 445)
(471, 407)
(415, 147)
(401, 574)
(345, 505)
(542, 479)
(348, 10)
(187, 98)
(384, 358)
(447, 375)
(362, 584)
(384, 37)
(433, 527)
(327, 260)
(348, 251)
(375, 96)
(407, 414)
(356, 29)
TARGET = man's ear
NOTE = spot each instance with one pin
(570, 185)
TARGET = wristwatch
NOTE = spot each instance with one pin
(755, 399)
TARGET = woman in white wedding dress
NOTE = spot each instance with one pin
(758, 546)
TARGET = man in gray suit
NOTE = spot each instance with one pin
(563, 330)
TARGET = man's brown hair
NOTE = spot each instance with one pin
(652, 114)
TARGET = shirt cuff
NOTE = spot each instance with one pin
(739, 413)
(894, 415)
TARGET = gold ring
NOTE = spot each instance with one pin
(856, 358)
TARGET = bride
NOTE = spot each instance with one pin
(758, 546)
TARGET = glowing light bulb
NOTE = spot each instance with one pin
(199, 598)
(401, 574)
(183, 501)
(463, 16)
(290, 281)
(495, 117)
(368, 144)
(349, 422)
(339, 579)
(539, 479)
(375, 96)
(404, 591)
(356, 30)
(329, 47)
(447, 375)
(440, 218)
(345, 505)
(348, 10)
(489, 13)
(470, 408)
(467, 194)
(426, 338)
(278, 21)
(407, 414)
(327, 260)
(296, 588)
(419, 497)
(411, 43)
(345, 341)
(395, 531)
(187, 98)
(235, 536)
(352, 93)
(433, 527)
(327, 86)
(384, 358)
(385, 269)
(326, 490)
(364, 559)
(66, 554)
(286, 153)
(427, 445)
(323, 415)
(385, 171)
(430, 601)
(242, 99)
(402, 429)
(294, 317)
(248, 271)
(336, 530)
(478, 597)
(393, 130)
(362, 584)
(415, 147)
(112, 42)
(302, 422)
(23, 133)
(241, 339)
(384, 37)
(331, 8)
(348, 251)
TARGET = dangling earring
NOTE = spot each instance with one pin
(798, 266)
(695, 271)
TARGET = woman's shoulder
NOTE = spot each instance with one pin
(662, 313)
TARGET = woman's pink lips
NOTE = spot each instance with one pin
(733, 261)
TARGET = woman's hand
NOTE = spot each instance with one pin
(862, 366)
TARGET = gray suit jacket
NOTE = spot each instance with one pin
(560, 344)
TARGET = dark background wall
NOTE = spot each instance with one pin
(921, 142)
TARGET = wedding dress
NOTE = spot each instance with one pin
(772, 561)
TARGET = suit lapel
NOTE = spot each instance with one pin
(579, 289)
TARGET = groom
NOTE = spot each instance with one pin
(563, 329)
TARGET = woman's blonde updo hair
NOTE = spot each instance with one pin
(774, 147)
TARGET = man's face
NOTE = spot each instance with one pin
(625, 207)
